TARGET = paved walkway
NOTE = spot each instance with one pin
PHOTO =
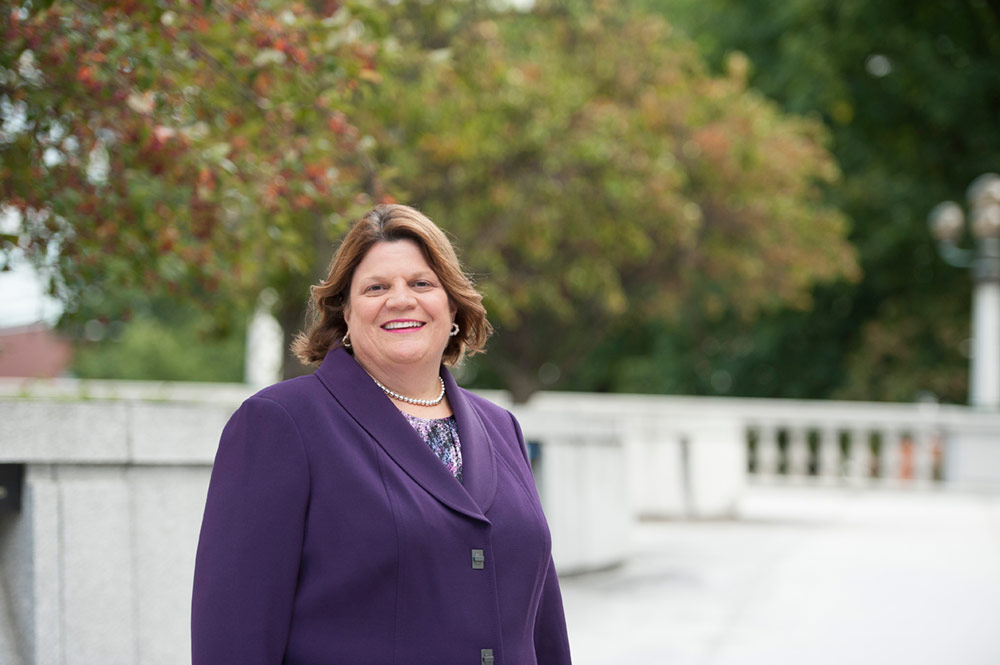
(805, 577)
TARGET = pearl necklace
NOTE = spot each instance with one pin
(412, 400)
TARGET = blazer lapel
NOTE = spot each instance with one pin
(374, 411)
(479, 475)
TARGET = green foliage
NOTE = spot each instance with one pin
(169, 343)
(202, 151)
(598, 176)
(910, 94)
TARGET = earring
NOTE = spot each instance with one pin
(454, 329)
(345, 342)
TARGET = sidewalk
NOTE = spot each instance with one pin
(807, 576)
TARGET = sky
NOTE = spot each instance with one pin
(22, 298)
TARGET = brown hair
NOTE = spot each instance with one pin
(387, 223)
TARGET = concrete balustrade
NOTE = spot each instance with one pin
(859, 444)
(96, 562)
(892, 445)
(685, 457)
(581, 479)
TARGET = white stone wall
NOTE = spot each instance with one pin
(581, 479)
(97, 565)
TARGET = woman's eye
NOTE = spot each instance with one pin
(422, 284)
(374, 288)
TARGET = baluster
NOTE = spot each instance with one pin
(828, 463)
(859, 459)
(767, 451)
(797, 453)
(923, 455)
(894, 452)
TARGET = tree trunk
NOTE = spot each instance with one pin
(521, 384)
(291, 316)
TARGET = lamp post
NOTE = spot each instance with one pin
(947, 221)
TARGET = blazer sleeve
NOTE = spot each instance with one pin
(251, 540)
(551, 638)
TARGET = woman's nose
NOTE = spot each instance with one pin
(400, 297)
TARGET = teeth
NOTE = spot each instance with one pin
(396, 325)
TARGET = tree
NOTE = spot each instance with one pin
(910, 95)
(599, 177)
(164, 340)
(203, 151)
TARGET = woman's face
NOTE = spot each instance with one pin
(398, 313)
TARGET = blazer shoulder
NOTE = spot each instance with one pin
(494, 412)
(501, 419)
(508, 436)
(291, 391)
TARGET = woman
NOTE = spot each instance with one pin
(374, 513)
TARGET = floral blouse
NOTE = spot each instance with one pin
(441, 434)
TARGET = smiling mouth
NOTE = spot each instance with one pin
(402, 325)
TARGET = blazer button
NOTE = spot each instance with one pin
(487, 657)
(478, 562)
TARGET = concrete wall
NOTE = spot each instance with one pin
(96, 565)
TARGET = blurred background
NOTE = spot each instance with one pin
(702, 198)
(662, 201)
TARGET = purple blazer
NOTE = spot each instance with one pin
(334, 536)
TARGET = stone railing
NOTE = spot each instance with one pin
(871, 444)
(887, 445)
(97, 539)
(691, 457)
(102, 486)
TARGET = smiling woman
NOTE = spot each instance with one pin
(399, 321)
(375, 513)
(388, 224)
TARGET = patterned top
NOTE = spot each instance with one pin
(441, 434)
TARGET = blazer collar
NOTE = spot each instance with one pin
(479, 473)
(351, 386)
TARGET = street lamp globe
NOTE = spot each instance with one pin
(984, 199)
(986, 222)
(984, 190)
(946, 220)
